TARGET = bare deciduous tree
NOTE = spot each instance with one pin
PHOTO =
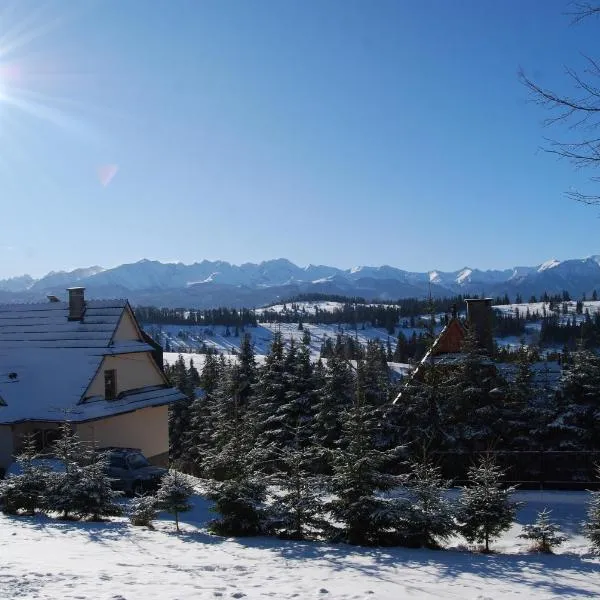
(578, 109)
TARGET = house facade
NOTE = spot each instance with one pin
(87, 362)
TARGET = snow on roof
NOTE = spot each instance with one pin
(47, 325)
(43, 384)
(47, 362)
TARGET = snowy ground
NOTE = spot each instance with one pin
(47, 559)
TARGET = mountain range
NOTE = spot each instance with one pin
(209, 284)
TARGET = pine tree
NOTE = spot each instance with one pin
(427, 517)
(143, 510)
(296, 511)
(519, 405)
(485, 507)
(179, 414)
(173, 495)
(198, 439)
(592, 524)
(237, 463)
(62, 494)
(25, 491)
(578, 420)
(357, 478)
(83, 489)
(93, 494)
(543, 534)
(334, 397)
(473, 419)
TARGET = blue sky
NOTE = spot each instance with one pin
(337, 132)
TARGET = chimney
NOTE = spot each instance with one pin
(76, 303)
(480, 316)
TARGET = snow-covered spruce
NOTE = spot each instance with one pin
(240, 504)
(485, 507)
(592, 524)
(143, 510)
(359, 514)
(94, 496)
(174, 494)
(25, 491)
(83, 489)
(426, 518)
(544, 534)
(296, 512)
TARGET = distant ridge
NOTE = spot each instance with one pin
(208, 284)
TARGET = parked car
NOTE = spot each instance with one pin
(131, 472)
(128, 468)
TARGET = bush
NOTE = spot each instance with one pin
(143, 510)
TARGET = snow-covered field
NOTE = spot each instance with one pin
(47, 559)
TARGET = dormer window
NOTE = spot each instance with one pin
(110, 384)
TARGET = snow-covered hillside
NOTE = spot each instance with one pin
(48, 559)
(190, 339)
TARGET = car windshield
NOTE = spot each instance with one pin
(137, 461)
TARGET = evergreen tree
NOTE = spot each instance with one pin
(473, 420)
(427, 517)
(198, 439)
(93, 494)
(296, 510)
(592, 524)
(179, 414)
(173, 495)
(365, 517)
(237, 463)
(62, 494)
(577, 424)
(143, 510)
(83, 489)
(485, 507)
(543, 534)
(334, 398)
(25, 491)
(519, 405)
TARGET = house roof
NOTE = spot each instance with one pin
(47, 362)
(47, 325)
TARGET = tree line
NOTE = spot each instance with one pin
(331, 429)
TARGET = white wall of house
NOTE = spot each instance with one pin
(133, 371)
(6, 446)
(147, 429)
(126, 330)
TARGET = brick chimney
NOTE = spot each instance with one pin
(480, 317)
(76, 303)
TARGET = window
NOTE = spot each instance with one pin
(110, 384)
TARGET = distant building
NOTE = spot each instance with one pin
(447, 347)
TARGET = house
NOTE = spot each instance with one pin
(85, 361)
(447, 347)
